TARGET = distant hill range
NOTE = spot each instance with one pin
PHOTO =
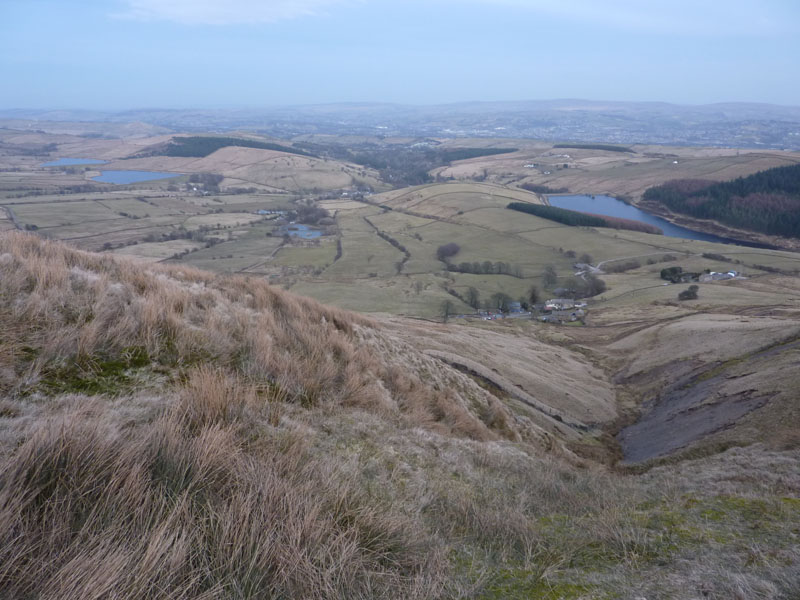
(745, 125)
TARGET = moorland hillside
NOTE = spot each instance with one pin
(170, 433)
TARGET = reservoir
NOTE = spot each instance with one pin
(120, 177)
(611, 207)
(63, 162)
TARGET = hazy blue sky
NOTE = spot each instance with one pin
(113, 54)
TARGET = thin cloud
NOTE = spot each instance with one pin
(679, 17)
(673, 17)
(224, 12)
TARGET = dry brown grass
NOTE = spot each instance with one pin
(73, 316)
(189, 507)
(166, 433)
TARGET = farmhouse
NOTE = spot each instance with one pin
(559, 304)
(714, 276)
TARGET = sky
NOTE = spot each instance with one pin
(122, 54)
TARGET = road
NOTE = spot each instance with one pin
(13, 218)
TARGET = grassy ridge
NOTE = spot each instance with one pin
(559, 215)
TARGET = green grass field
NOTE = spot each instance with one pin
(373, 274)
(313, 256)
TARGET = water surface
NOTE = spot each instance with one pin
(301, 231)
(611, 207)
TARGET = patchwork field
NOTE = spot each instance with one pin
(380, 255)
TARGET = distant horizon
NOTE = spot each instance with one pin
(257, 107)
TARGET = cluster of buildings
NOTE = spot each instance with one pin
(561, 310)
(556, 310)
(714, 276)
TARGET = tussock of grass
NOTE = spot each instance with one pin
(80, 322)
(179, 509)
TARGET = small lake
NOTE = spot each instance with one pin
(611, 207)
(120, 177)
(301, 231)
(64, 162)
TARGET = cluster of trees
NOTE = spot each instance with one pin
(200, 146)
(385, 236)
(574, 287)
(549, 277)
(767, 202)
(447, 251)
(77, 189)
(201, 234)
(309, 214)
(678, 275)
(486, 267)
(672, 274)
(207, 181)
(689, 294)
(621, 266)
(770, 269)
(538, 188)
(608, 147)
(448, 155)
(629, 224)
(560, 215)
(43, 150)
(400, 165)
(406, 254)
(586, 287)
(665, 258)
(499, 300)
(717, 257)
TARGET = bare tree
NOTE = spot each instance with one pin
(447, 310)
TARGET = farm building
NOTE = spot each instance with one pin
(559, 304)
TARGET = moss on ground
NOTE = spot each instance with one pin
(577, 557)
(98, 374)
(524, 584)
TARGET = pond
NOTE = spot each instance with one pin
(301, 231)
(611, 207)
(121, 177)
(64, 162)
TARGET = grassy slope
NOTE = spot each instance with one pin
(270, 168)
(475, 217)
(597, 171)
(165, 432)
